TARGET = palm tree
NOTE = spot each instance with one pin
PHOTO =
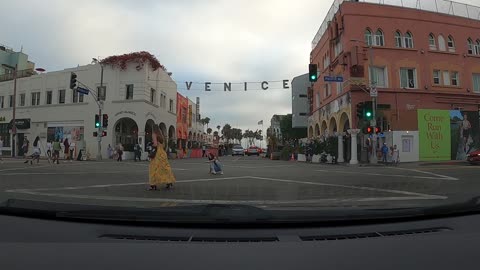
(218, 127)
(209, 131)
(206, 121)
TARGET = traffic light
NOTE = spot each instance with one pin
(312, 72)
(377, 130)
(95, 134)
(368, 130)
(360, 109)
(97, 120)
(105, 120)
(73, 81)
(368, 111)
(104, 133)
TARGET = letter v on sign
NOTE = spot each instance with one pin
(189, 84)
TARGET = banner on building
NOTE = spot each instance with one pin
(434, 134)
(465, 131)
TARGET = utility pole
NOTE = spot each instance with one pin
(373, 123)
(14, 124)
(100, 105)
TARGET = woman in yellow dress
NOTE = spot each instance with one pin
(159, 172)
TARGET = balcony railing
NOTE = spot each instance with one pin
(20, 74)
(438, 6)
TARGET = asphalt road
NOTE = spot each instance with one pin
(247, 180)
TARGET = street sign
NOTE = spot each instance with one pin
(333, 79)
(82, 91)
(373, 92)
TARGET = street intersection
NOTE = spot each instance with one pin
(247, 180)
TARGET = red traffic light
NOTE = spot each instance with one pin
(377, 130)
(104, 133)
(368, 130)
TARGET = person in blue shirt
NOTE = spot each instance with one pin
(384, 153)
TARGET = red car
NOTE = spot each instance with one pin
(474, 157)
(253, 150)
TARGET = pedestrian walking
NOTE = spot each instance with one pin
(119, 151)
(384, 153)
(110, 151)
(57, 147)
(1, 149)
(159, 170)
(395, 155)
(138, 152)
(204, 150)
(149, 149)
(36, 152)
(25, 146)
(215, 165)
(71, 150)
(49, 149)
(66, 148)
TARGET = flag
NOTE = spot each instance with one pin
(260, 122)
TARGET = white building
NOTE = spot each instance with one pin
(135, 98)
(195, 127)
(275, 125)
(300, 105)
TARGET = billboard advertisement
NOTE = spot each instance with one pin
(434, 134)
(182, 108)
(465, 130)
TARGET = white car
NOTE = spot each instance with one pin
(238, 150)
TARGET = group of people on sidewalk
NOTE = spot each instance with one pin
(390, 154)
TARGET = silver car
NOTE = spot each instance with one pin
(238, 150)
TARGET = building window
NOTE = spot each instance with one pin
(451, 44)
(408, 40)
(317, 100)
(129, 94)
(49, 98)
(408, 78)
(163, 100)
(470, 46)
(153, 96)
(441, 43)
(303, 114)
(77, 97)
(22, 100)
(35, 98)
(431, 42)
(61, 96)
(302, 95)
(102, 93)
(436, 77)
(476, 83)
(446, 77)
(339, 87)
(454, 77)
(10, 101)
(338, 47)
(328, 90)
(477, 47)
(378, 76)
(368, 37)
(379, 39)
(398, 39)
(170, 108)
(1, 101)
(5, 134)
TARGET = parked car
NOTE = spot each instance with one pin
(474, 157)
(238, 150)
(253, 150)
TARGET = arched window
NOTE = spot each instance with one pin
(431, 42)
(368, 37)
(477, 47)
(441, 43)
(379, 39)
(398, 39)
(470, 46)
(408, 40)
(451, 44)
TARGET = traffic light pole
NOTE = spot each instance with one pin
(373, 158)
(100, 128)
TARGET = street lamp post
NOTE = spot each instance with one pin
(373, 122)
(100, 107)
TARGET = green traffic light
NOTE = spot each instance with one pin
(97, 124)
(368, 114)
(313, 77)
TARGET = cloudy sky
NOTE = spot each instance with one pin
(214, 40)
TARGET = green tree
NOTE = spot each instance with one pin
(289, 133)
(206, 121)
(209, 131)
(227, 132)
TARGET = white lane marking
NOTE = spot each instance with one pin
(257, 167)
(443, 177)
(353, 187)
(123, 184)
(27, 167)
(448, 178)
(256, 202)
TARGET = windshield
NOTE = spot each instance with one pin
(171, 104)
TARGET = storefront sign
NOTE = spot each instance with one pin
(434, 134)
(20, 123)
